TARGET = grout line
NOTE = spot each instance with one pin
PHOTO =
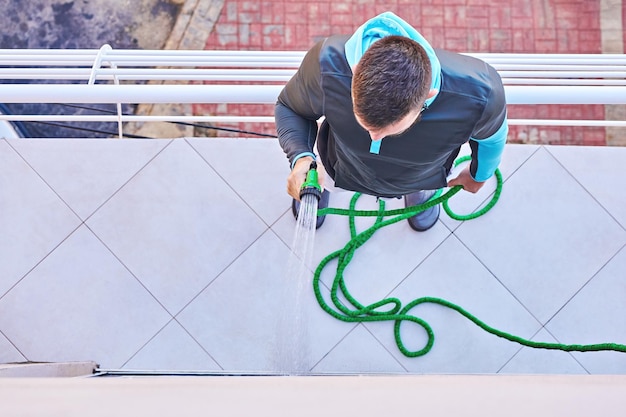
(158, 332)
(14, 345)
(132, 177)
(589, 192)
(44, 181)
(586, 283)
(571, 354)
(127, 268)
(151, 338)
(40, 261)
(385, 347)
(331, 349)
(501, 283)
(218, 275)
(228, 184)
(519, 351)
(175, 319)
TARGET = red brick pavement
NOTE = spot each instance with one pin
(532, 26)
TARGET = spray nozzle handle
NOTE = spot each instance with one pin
(311, 184)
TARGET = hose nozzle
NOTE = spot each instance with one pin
(311, 185)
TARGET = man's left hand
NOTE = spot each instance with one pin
(465, 180)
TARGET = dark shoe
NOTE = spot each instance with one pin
(426, 219)
(323, 203)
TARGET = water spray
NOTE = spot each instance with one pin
(293, 354)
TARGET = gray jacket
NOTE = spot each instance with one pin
(470, 104)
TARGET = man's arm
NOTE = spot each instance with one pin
(487, 141)
(490, 133)
(299, 106)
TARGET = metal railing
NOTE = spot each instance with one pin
(210, 76)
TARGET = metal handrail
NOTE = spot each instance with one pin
(282, 75)
(248, 66)
(154, 76)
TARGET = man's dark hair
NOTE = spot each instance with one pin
(392, 78)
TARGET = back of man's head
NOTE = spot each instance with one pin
(392, 78)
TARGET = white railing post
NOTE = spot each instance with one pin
(97, 64)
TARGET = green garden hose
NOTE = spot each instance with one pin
(391, 309)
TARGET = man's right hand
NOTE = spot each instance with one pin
(298, 175)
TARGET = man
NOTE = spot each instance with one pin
(396, 112)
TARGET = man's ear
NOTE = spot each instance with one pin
(432, 93)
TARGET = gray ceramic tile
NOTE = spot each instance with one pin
(359, 352)
(8, 352)
(598, 169)
(176, 225)
(597, 314)
(256, 169)
(464, 203)
(33, 220)
(86, 172)
(541, 361)
(383, 261)
(514, 157)
(454, 274)
(534, 240)
(80, 303)
(256, 318)
(192, 222)
(172, 349)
